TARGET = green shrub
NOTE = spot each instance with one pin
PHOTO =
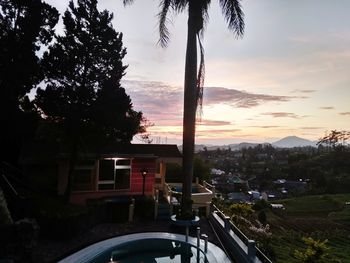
(243, 210)
(262, 217)
(260, 205)
(315, 252)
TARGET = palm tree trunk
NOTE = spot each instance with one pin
(189, 117)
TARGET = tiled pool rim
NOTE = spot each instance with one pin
(214, 253)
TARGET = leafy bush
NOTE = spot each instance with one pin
(242, 210)
(315, 252)
(260, 205)
(262, 217)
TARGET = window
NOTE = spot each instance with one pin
(114, 174)
(82, 175)
(106, 175)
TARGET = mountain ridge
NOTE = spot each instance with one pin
(285, 142)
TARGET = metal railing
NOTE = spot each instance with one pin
(251, 252)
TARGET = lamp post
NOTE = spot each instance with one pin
(144, 174)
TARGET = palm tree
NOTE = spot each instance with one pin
(193, 85)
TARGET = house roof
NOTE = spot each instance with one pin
(43, 152)
(157, 150)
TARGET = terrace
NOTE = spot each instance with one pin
(201, 195)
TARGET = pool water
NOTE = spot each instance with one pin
(152, 251)
(148, 247)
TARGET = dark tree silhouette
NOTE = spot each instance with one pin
(24, 27)
(337, 140)
(83, 97)
(193, 85)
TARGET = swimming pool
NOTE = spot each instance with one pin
(154, 247)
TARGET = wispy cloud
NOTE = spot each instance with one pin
(239, 99)
(217, 133)
(266, 126)
(303, 91)
(344, 113)
(162, 104)
(214, 123)
(282, 115)
(311, 128)
(327, 108)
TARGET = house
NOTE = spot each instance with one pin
(299, 186)
(132, 169)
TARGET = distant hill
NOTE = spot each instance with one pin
(233, 147)
(240, 146)
(286, 142)
(293, 141)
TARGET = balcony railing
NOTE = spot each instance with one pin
(238, 245)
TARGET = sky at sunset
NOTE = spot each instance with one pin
(288, 75)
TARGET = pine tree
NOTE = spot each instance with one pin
(25, 26)
(83, 97)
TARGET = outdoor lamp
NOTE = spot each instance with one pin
(144, 174)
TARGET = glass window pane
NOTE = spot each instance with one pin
(106, 170)
(123, 162)
(122, 180)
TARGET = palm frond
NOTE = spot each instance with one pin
(200, 79)
(164, 34)
(234, 15)
(128, 2)
(180, 5)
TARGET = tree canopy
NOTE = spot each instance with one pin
(83, 68)
(25, 26)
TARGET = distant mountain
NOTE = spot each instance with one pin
(287, 142)
(293, 141)
(233, 147)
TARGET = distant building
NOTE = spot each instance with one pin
(217, 172)
(254, 195)
(291, 185)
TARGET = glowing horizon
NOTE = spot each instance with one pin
(287, 76)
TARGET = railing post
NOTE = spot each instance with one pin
(156, 205)
(213, 190)
(227, 223)
(198, 236)
(205, 238)
(197, 180)
(198, 242)
(131, 210)
(205, 184)
(187, 233)
(171, 202)
(207, 209)
(171, 209)
(157, 194)
(251, 249)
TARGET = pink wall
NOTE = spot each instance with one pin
(136, 178)
(136, 183)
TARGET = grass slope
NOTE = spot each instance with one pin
(319, 216)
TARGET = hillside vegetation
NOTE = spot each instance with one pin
(322, 217)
